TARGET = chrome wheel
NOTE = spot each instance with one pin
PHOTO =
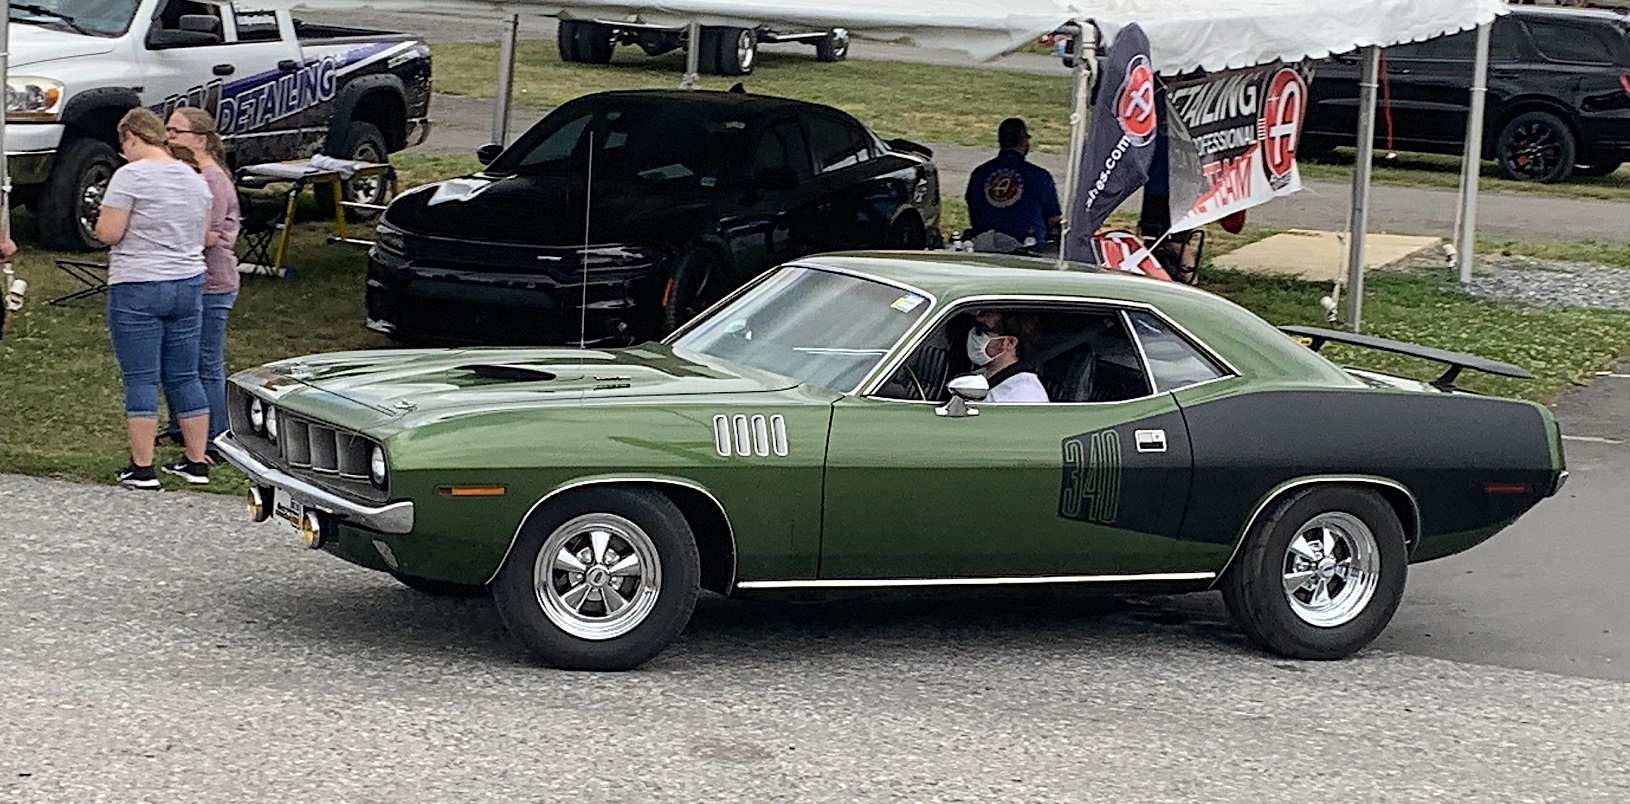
(746, 50)
(1331, 569)
(597, 576)
(94, 185)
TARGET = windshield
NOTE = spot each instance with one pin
(814, 326)
(92, 17)
(643, 139)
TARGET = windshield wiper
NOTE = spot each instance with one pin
(52, 14)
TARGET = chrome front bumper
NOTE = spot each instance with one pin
(393, 518)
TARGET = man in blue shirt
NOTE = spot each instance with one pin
(1010, 195)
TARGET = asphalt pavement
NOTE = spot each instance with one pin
(158, 647)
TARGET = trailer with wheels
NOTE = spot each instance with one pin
(722, 50)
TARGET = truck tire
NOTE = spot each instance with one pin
(566, 38)
(835, 47)
(72, 196)
(363, 143)
(594, 45)
(737, 51)
(707, 53)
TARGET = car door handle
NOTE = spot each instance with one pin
(225, 69)
(1150, 440)
(288, 65)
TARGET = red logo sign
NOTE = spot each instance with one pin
(1124, 251)
(1281, 122)
(1004, 188)
(1135, 107)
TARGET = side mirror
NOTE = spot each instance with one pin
(964, 389)
(196, 30)
(486, 153)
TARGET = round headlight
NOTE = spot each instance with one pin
(376, 466)
(271, 422)
(257, 414)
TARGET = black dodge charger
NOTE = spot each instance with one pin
(621, 215)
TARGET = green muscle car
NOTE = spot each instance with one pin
(824, 428)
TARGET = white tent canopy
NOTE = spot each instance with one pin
(1183, 34)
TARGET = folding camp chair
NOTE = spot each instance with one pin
(93, 275)
(260, 223)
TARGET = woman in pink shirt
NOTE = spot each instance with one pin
(195, 129)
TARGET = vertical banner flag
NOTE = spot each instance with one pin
(1121, 142)
(1232, 138)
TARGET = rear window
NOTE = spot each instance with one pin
(1578, 43)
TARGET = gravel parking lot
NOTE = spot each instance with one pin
(157, 647)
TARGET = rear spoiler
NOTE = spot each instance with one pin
(910, 147)
(1456, 361)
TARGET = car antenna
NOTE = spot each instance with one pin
(583, 257)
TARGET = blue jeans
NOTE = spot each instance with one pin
(155, 329)
(212, 362)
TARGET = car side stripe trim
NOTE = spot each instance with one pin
(869, 583)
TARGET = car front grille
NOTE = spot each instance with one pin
(329, 456)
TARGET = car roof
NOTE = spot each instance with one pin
(738, 103)
(949, 275)
(1571, 13)
(1251, 344)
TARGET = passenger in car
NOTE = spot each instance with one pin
(995, 342)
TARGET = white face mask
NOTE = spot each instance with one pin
(976, 348)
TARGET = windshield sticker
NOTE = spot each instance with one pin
(907, 303)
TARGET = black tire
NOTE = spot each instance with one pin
(566, 39)
(907, 233)
(737, 51)
(1597, 169)
(662, 612)
(594, 45)
(835, 47)
(1253, 587)
(72, 196)
(1536, 146)
(707, 54)
(437, 588)
(696, 283)
(364, 143)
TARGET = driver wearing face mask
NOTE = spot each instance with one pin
(993, 348)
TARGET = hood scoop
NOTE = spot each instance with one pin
(499, 372)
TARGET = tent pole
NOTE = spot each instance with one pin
(506, 79)
(1359, 218)
(693, 56)
(1085, 73)
(1471, 163)
(6, 272)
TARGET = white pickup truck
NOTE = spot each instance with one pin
(279, 89)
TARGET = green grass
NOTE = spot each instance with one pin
(61, 401)
(928, 103)
(1437, 170)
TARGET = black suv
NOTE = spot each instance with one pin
(1558, 95)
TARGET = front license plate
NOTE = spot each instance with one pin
(287, 512)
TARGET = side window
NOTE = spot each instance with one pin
(1575, 44)
(256, 24)
(1455, 47)
(781, 149)
(1173, 362)
(1077, 355)
(836, 143)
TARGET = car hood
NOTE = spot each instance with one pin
(363, 389)
(36, 44)
(548, 210)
